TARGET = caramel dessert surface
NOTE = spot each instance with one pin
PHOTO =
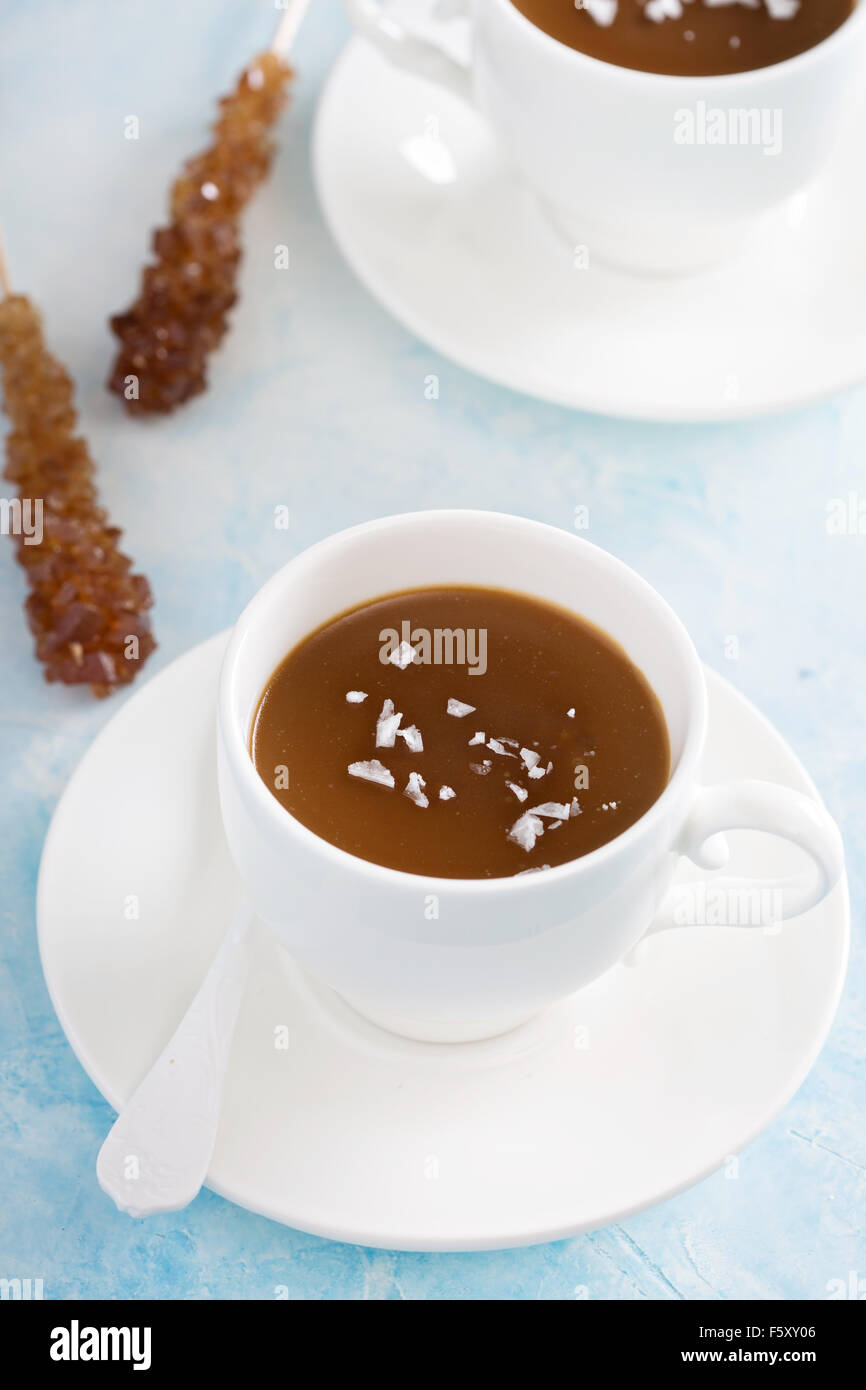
(461, 733)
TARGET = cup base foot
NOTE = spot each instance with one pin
(664, 250)
(438, 1031)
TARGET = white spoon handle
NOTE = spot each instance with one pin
(157, 1154)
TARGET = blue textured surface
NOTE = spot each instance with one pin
(318, 403)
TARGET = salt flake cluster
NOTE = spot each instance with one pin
(529, 826)
(604, 12)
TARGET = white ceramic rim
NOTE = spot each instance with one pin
(236, 740)
(637, 77)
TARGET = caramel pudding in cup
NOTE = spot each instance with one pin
(460, 958)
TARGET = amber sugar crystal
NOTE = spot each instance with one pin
(180, 314)
(87, 610)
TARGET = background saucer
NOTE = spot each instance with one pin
(615, 1099)
(427, 212)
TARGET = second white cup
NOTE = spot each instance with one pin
(608, 149)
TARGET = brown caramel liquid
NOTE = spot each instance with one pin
(705, 42)
(541, 661)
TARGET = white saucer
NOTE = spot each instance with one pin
(463, 257)
(614, 1100)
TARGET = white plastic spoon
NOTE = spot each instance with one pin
(157, 1154)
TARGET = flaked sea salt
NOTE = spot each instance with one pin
(356, 697)
(481, 768)
(446, 793)
(459, 709)
(372, 771)
(602, 11)
(559, 810)
(387, 725)
(497, 746)
(412, 735)
(530, 758)
(659, 10)
(402, 656)
(570, 712)
(526, 830)
(539, 771)
(477, 738)
(520, 792)
(414, 789)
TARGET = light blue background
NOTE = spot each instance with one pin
(317, 402)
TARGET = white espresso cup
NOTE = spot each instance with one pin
(461, 959)
(650, 172)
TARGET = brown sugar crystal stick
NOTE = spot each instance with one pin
(180, 314)
(87, 610)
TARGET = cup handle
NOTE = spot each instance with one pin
(751, 805)
(407, 50)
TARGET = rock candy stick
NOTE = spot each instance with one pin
(87, 610)
(181, 311)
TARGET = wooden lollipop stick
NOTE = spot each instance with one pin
(288, 27)
(4, 271)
